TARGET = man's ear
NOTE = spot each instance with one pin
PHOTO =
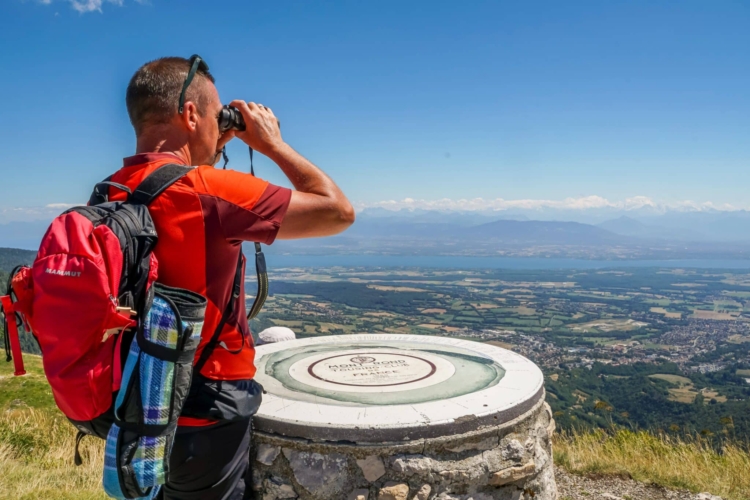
(190, 116)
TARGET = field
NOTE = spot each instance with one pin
(667, 314)
(598, 304)
(661, 348)
(662, 353)
(683, 390)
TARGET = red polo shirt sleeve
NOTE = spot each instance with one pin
(249, 208)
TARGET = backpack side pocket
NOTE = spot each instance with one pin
(156, 380)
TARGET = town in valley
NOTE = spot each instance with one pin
(657, 348)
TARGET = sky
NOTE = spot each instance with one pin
(426, 104)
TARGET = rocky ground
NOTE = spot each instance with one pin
(572, 487)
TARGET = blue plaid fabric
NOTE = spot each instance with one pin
(156, 383)
(110, 481)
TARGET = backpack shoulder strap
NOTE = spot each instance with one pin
(157, 182)
(101, 191)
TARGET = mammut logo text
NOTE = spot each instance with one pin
(59, 272)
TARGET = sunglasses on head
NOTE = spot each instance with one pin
(229, 117)
(196, 64)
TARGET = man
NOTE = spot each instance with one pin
(201, 222)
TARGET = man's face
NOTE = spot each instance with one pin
(205, 137)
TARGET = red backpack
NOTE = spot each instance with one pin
(84, 294)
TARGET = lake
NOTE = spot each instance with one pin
(440, 261)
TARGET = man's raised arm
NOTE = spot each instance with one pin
(318, 207)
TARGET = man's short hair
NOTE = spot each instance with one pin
(154, 91)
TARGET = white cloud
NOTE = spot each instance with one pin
(30, 214)
(581, 204)
(84, 6)
(60, 206)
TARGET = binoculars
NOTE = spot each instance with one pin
(230, 118)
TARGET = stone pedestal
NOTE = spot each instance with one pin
(393, 417)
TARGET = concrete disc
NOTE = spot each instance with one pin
(374, 388)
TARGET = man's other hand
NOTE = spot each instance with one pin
(262, 131)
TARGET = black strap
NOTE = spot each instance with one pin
(252, 170)
(226, 158)
(6, 335)
(14, 315)
(228, 310)
(157, 182)
(147, 191)
(262, 274)
(97, 196)
(146, 430)
(101, 191)
(165, 353)
(77, 455)
(260, 268)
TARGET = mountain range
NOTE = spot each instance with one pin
(692, 226)
(423, 232)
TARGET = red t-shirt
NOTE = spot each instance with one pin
(201, 222)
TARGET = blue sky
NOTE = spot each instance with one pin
(593, 102)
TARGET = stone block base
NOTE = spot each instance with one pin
(510, 461)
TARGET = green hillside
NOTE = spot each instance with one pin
(9, 259)
(37, 443)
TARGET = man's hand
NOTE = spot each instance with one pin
(317, 207)
(262, 131)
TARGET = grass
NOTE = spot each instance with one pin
(673, 379)
(667, 314)
(36, 458)
(683, 393)
(690, 464)
(714, 315)
(31, 390)
(37, 442)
